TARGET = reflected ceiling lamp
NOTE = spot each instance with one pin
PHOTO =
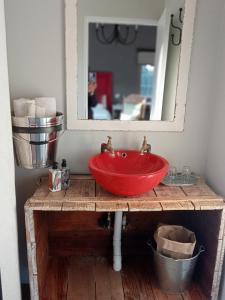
(121, 34)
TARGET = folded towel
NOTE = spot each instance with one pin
(38, 107)
(48, 103)
(30, 109)
(22, 107)
(40, 111)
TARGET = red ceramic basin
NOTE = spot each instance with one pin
(128, 173)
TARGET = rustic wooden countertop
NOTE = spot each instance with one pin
(84, 194)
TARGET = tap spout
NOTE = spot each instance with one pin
(146, 148)
(108, 147)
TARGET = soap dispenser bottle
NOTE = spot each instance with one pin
(54, 178)
(65, 174)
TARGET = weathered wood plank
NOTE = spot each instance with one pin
(136, 279)
(83, 188)
(144, 206)
(103, 289)
(80, 188)
(216, 285)
(81, 283)
(208, 205)
(40, 248)
(156, 291)
(44, 194)
(108, 283)
(177, 205)
(101, 192)
(32, 260)
(48, 206)
(41, 192)
(78, 206)
(167, 191)
(57, 280)
(34, 286)
(200, 189)
(222, 225)
(112, 206)
(115, 284)
(29, 222)
(194, 293)
(31, 253)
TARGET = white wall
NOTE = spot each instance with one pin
(9, 265)
(215, 161)
(35, 36)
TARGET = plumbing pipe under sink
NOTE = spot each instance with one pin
(117, 258)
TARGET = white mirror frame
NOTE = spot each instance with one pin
(116, 125)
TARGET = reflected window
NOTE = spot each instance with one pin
(147, 73)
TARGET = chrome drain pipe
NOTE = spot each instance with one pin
(117, 257)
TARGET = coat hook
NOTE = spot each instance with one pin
(177, 28)
(180, 15)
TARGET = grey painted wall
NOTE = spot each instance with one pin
(215, 160)
(35, 37)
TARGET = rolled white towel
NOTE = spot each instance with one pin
(22, 106)
(31, 109)
(40, 112)
(48, 103)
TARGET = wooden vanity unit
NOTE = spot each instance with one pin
(70, 254)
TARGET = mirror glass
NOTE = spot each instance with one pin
(128, 59)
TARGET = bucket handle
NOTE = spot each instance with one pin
(21, 139)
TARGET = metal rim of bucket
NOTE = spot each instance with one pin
(21, 139)
(35, 122)
(35, 125)
(201, 249)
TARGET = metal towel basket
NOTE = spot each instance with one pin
(35, 140)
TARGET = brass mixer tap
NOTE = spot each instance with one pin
(145, 147)
(108, 147)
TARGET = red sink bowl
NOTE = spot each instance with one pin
(128, 173)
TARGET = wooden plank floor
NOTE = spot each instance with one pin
(92, 278)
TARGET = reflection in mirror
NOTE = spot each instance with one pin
(132, 68)
(143, 86)
(121, 71)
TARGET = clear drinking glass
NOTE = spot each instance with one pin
(186, 174)
(172, 174)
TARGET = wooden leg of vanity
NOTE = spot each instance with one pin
(31, 253)
(37, 251)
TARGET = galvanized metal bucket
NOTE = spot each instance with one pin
(174, 275)
(35, 140)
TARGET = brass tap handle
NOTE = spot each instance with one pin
(108, 147)
(145, 147)
(109, 140)
(144, 142)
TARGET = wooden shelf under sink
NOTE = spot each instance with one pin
(92, 278)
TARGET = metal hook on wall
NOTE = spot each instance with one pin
(180, 15)
(179, 29)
